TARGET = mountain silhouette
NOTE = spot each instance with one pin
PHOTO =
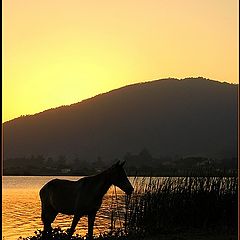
(169, 117)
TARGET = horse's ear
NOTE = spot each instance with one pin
(122, 163)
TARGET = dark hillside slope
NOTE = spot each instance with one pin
(169, 117)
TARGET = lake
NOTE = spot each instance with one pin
(21, 208)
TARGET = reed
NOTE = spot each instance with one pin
(177, 203)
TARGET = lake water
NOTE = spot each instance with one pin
(21, 208)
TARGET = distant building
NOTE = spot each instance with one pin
(65, 170)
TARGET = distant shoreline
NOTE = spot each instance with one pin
(83, 175)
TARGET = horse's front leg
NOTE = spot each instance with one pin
(76, 218)
(91, 219)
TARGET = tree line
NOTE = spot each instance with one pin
(142, 163)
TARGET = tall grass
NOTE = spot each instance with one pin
(178, 203)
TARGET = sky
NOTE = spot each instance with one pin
(59, 52)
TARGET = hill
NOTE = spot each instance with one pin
(169, 117)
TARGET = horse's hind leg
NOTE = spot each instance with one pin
(48, 216)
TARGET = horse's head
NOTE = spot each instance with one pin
(119, 178)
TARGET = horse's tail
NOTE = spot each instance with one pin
(44, 194)
(46, 213)
(46, 190)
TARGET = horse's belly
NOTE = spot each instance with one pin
(87, 205)
(63, 205)
(66, 211)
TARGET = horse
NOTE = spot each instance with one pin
(80, 198)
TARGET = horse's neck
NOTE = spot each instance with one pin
(103, 182)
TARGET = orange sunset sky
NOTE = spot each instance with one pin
(58, 52)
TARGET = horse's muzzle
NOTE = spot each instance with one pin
(129, 191)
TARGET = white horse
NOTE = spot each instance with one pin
(79, 198)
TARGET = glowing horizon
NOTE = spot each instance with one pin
(61, 52)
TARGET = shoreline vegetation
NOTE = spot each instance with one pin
(141, 164)
(174, 208)
(190, 234)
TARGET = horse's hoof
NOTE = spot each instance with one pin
(69, 233)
